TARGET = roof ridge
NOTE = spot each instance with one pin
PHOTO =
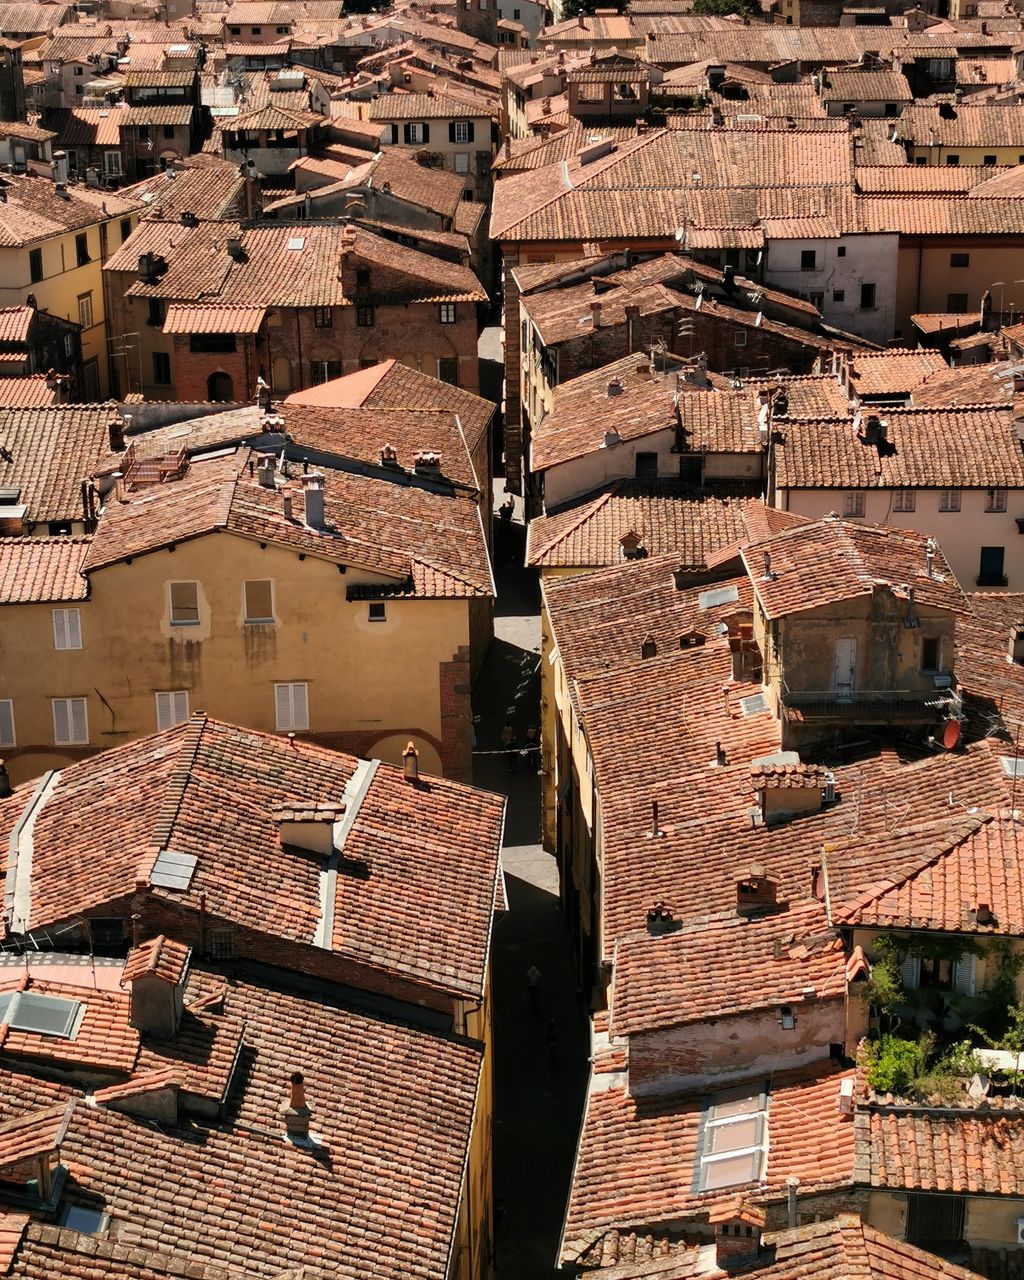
(181, 774)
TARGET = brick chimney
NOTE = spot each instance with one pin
(738, 1230)
(294, 1111)
(411, 763)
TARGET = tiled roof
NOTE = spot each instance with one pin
(866, 86)
(15, 323)
(954, 1151)
(843, 1247)
(426, 106)
(39, 569)
(726, 968)
(994, 687)
(664, 515)
(213, 319)
(210, 190)
(635, 1162)
(584, 411)
(893, 372)
(966, 384)
(29, 392)
(273, 116)
(103, 1039)
(161, 956)
(426, 918)
(33, 1134)
(51, 450)
(86, 126)
(431, 543)
(814, 395)
(965, 215)
(167, 114)
(270, 274)
(35, 210)
(435, 189)
(966, 448)
(834, 559)
(970, 126)
(915, 179)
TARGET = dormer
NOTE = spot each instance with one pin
(30, 1154)
(756, 892)
(738, 1227)
(155, 972)
(309, 827)
(785, 788)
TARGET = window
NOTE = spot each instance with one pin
(376, 612)
(323, 317)
(171, 708)
(903, 499)
(58, 528)
(281, 31)
(257, 31)
(112, 167)
(691, 468)
(323, 370)
(990, 568)
(995, 500)
(448, 370)
(217, 343)
(808, 259)
(169, 131)
(161, 368)
(462, 162)
(446, 312)
(949, 499)
(959, 259)
(853, 504)
(739, 338)
(184, 604)
(143, 131)
(234, 31)
(364, 315)
(70, 722)
(157, 311)
(35, 265)
(841, 251)
(647, 466)
(82, 1218)
(956, 302)
(82, 249)
(930, 653)
(67, 629)
(126, 229)
(416, 133)
(7, 738)
(838, 295)
(989, 160)
(363, 278)
(952, 161)
(78, 90)
(85, 310)
(259, 601)
(291, 707)
(867, 297)
(461, 131)
(735, 1131)
(42, 1014)
(222, 945)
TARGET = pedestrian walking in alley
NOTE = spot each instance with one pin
(531, 749)
(510, 743)
(505, 513)
(533, 986)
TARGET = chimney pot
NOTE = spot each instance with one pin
(411, 763)
(984, 913)
(287, 506)
(294, 1110)
(595, 313)
(266, 472)
(115, 433)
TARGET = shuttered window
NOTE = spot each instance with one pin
(67, 629)
(6, 723)
(184, 604)
(963, 975)
(171, 708)
(70, 722)
(291, 707)
(910, 972)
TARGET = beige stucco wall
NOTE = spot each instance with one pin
(925, 278)
(990, 1221)
(377, 679)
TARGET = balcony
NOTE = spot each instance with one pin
(861, 706)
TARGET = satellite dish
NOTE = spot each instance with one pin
(951, 734)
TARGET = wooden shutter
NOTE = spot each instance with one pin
(394, 132)
(472, 131)
(426, 132)
(259, 600)
(451, 131)
(910, 972)
(61, 721)
(963, 975)
(171, 708)
(300, 707)
(6, 722)
(79, 720)
(406, 132)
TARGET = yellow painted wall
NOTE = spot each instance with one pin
(361, 674)
(473, 1258)
(967, 155)
(64, 282)
(925, 279)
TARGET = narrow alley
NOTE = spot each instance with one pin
(541, 1043)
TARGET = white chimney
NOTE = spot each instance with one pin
(313, 495)
(60, 168)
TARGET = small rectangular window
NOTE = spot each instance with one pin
(157, 311)
(112, 165)
(259, 601)
(461, 131)
(376, 611)
(949, 499)
(462, 164)
(952, 161)
(161, 368)
(323, 317)
(416, 133)
(841, 251)
(956, 303)
(448, 370)
(853, 504)
(446, 312)
(184, 604)
(85, 310)
(995, 500)
(903, 499)
(67, 629)
(169, 132)
(808, 259)
(291, 707)
(739, 338)
(126, 229)
(988, 160)
(35, 265)
(222, 945)
(647, 466)
(70, 722)
(171, 708)
(959, 259)
(867, 297)
(7, 738)
(838, 295)
(930, 652)
(82, 249)
(364, 316)
(990, 570)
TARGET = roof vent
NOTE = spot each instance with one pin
(235, 250)
(615, 385)
(295, 1113)
(427, 464)
(611, 438)
(659, 919)
(188, 218)
(755, 892)
(389, 458)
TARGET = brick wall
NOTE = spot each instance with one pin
(456, 717)
(191, 370)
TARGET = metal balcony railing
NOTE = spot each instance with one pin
(864, 705)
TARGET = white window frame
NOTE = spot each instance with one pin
(8, 735)
(185, 622)
(254, 621)
(995, 501)
(461, 162)
(85, 313)
(71, 708)
(291, 711)
(949, 499)
(416, 137)
(112, 164)
(382, 616)
(446, 312)
(171, 708)
(461, 131)
(67, 629)
(854, 504)
(904, 500)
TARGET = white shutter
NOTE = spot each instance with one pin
(910, 972)
(171, 708)
(79, 720)
(67, 629)
(60, 633)
(291, 707)
(283, 705)
(6, 723)
(300, 707)
(61, 721)
(163, 711)
(179, 701)
(963, 975)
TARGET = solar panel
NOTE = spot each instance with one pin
(717, 596)
(751, 705)
(173, 870)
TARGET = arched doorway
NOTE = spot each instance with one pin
(219, 387)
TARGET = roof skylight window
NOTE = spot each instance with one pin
(718, 595)
(296, 242)
(734, 1139)
(40, 1014)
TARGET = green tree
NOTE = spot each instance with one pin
(722, 8)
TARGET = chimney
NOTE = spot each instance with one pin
(313, 496)
(738, 1230)
(615, 385)
(188, 218)
(595, 313)
(60, 168)
(427, 464)
(754, 891)
(792, 1186)
(983, 914)
(632, 316)
(411, 763)
(115, 435)
(155, 974)
(659, 919)
(295, 1112)
(287, 503)
(5, 782)
(234, 247)
(266, 471)
(929, 556)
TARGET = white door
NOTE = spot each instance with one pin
(846, 662)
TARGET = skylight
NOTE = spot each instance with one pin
(1013, 766)
(718, 595)
(82, 1218)
(734, 1138)
(296, 242)
(751, 705)
(43, 1015)
(173, 870)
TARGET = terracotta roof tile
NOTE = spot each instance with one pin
(15, 323)
(426, 106)
(51, 450)
(213, 319)
(33, 1134)
(160, 956)
(30, 392)
(39, 569)
(893, 372)
(967, 126)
